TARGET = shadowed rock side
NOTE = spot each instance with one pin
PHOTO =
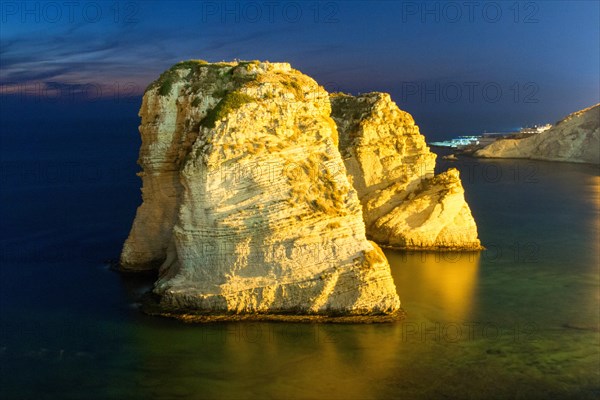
(391, 167)
(576, 138)
(245, 198)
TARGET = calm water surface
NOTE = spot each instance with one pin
(519, 320)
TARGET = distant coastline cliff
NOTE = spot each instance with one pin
(576, 138)
(249, 207)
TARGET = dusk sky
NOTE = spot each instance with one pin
(457, 67)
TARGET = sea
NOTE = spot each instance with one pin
(519, 320)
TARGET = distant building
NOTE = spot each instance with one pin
(535, 129)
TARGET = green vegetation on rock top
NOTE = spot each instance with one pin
(222, 69)
(166, 79)
(229, 103)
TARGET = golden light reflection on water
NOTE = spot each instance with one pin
(446, 280)
(246, 360)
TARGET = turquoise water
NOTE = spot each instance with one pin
(517, 321)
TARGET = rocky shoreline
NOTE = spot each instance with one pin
(150, 305)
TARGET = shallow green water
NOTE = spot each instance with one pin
(517, 321)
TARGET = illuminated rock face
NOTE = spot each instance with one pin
(391, 167)
(574, 139)
(246, 203)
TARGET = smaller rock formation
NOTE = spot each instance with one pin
(434, 216)
(576, 138)
(387, 160)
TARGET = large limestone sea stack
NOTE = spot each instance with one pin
(247, 207)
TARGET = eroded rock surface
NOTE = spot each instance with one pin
(246, 202)
(391, 167)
